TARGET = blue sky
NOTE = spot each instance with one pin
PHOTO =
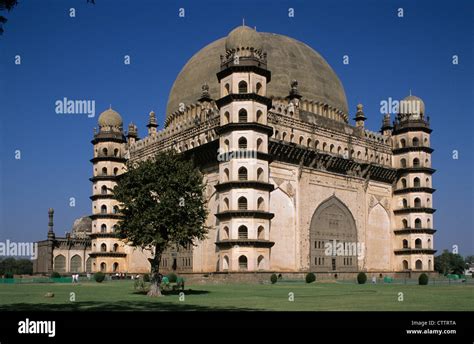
(82, 58)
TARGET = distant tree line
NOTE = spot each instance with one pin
(16, 266)
(452, 263)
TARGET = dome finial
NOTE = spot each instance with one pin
(243, 21)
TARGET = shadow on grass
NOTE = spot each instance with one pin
(176, 292)
(164, 303)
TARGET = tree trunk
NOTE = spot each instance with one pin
(155, 273)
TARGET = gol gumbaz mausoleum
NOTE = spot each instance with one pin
(266, 119)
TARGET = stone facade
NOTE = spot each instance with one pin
(291, 185)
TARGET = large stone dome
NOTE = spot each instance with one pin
(287, 59)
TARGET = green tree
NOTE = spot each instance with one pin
(449, 263)
(469, 259)
(162, 205)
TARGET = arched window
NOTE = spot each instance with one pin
(283, 136)
(416, 182)
(405, 265)
(428, 223)
(225, 263)
(403, 143)
(261, 233)
(261, 263)
(405, 203)
(243, 173)
(225, 233)
(115, 247)
(404, 183)
(405, 243)
(226, 89)
(242, 263)
(226, 117)
(226, 204)
(339, 150)
(103, 247)
(416, 162)
(243, 232)
(301, 140)
(115, 267)
(89, 265)
(242, 87)
(259, 145)
(242, 203)
(331, 148)
(316, 145)
(427, 182)
(308, 142)
(114, 228)
(261, 204)
(116, 152)
(260, 176)
(419, 265)
(242, 116)
(417, 223)
(415, 142)
(103, 190)
(259, 116)
(115, 171)
(104, 171)
(429, 243)
(103, 267)
(60, 263)
(226, 175)
(403, 163)
(104, 151)
(115, 209)
(429, 264)
(103, 209)
(405, 223)
(226, 145)
(242, 143)
(103, 228)
(417, 203)
(258, 88)
(418, 243)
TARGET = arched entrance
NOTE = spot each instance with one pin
(333, 226)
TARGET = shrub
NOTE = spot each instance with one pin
(55, 275)
(140, 286)
(361, 278)
(8, 275)
(310, 277)
(146, 278)
(99, 277)
(423, 279)
(273, 278)
(172, 277)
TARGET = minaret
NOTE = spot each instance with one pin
(51, 235)
(152, 124)
(413, 190)
(108, 162)
(386, 125)
(244, 189)
(360, 117)
(132, 133)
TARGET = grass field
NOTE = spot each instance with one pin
(120, 296)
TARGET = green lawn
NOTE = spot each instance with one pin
(119, 295)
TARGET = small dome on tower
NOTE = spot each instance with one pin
(412, 104)
(243, 37)
(110, 118)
